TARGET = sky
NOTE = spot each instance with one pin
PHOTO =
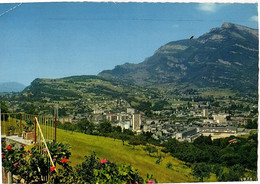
(54, 40)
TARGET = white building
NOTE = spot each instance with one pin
(130, 110)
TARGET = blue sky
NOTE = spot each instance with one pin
(53, 40)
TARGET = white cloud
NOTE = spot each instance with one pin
(254, 18)
(207, 7)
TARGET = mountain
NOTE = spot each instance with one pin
(225, 57)
(11, 87)
(83, 94)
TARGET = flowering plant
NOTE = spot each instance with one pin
(34, 165)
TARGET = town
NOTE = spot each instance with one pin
(184, 118)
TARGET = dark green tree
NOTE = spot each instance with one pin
(4, 109)
(200, 171)
(105, 127)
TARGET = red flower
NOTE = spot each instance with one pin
(28, 151)
(53, 168)
(3, 156)
(151, 182)
(27, 130)
(64, 160)
(22, 145)
(136, 182)
(44, 149)
(15, 164)
(103, 161)
(9, 147)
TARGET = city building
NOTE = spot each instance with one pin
(136, 121)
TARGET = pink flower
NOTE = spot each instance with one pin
(15, 164)
(44, 149)
(151, 182)
(103, 161)
(136, 182)
(9, 147)
(53, 168)
(64, 160)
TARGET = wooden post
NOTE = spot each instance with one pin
(9, 178)
(55, 127)
(35, 124)
(21, 122)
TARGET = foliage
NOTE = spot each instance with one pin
(4, 109)
(218, 152)
(252, 124)
(136, 140)
(94, 170)
(235, 173)
(169, 165)
(33, 166)
(200, 171)
(151, 149)
(105, 127)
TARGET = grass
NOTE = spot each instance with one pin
(116, 152)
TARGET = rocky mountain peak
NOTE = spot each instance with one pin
(225, 57)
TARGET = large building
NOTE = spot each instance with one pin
(136, 121)
(187, 135)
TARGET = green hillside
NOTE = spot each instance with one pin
(114, 151)
(78, 94)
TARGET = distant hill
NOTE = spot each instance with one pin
(11, 87)
(84, 93)
(226, 58)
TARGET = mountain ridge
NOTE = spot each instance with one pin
(225, 57)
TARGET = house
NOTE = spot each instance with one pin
(232, 141)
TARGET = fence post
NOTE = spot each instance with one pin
(55, 128)
(35, 124)
(21, 122)
(9, 178)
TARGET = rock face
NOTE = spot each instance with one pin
(225, 57)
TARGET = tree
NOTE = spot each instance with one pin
(200, 171)
(235, 173)
(135, 141)
(150, 149)
(105, 127)
(251, 124)
(85, 126)
(4, 109)
(123, 138)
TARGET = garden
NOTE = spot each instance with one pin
(33, 165)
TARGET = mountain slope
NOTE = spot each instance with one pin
(11, 87)
(84, 93)
(226, 57)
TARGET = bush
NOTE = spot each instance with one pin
(34, 166)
